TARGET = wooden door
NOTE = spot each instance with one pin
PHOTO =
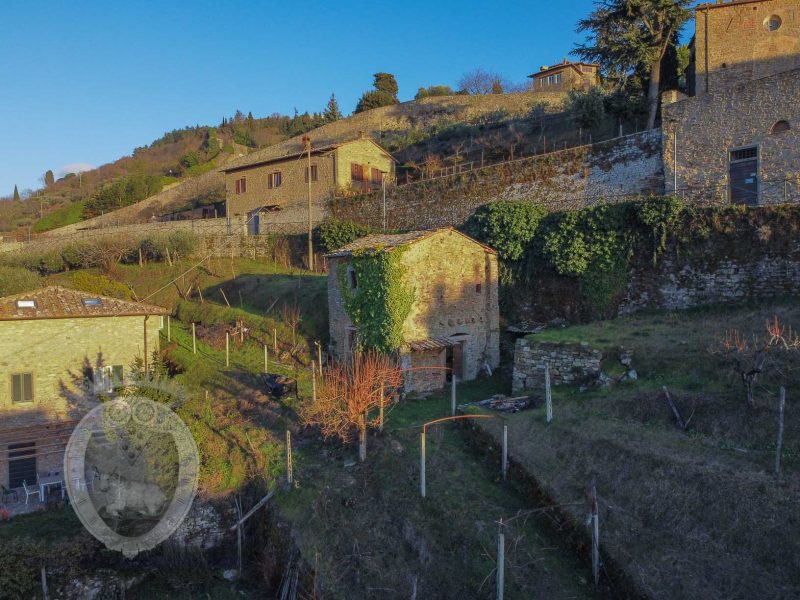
(743, 176)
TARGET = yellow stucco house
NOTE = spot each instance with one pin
(272, 185)
(56, 345)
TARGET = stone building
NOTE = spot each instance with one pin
(53, 342)
(453, 323)
(273, 184)
(742, 41)
(566, 77)
(736, 140)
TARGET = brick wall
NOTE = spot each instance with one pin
(576, 177)
(569, 363)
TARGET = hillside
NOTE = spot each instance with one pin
(405, 129)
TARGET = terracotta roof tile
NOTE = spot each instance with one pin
(55, 302)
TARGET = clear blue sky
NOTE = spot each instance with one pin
(86, 82)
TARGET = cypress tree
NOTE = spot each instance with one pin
(16, 194)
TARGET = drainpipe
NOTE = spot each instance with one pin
(705, 43)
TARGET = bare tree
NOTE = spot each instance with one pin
(106, 252)
(480, 82)
(751, 358)
(291, 316)
(348, 393)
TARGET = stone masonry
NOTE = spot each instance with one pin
(569, 363)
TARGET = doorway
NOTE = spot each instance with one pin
(454, 361)
(21, 464)
(743, 176)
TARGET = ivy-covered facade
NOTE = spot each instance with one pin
(429, 297)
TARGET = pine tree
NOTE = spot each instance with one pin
(332, 112)
(16, 194)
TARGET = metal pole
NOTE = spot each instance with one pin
(548, 393)
(289, 472)
(505, 450)
(595, 538)
(781, 404)
(307, 141)
(194, 341)
(169, 330)
(422, 465)
(313, 384)
(383, 181)
(227, 349)
(452, 395)
(319, 357)
(380, 428)
(266, 360)
(501, 562)
(675, 161)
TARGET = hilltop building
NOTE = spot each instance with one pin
(736, 139)
(264, 184)
(566, 77)
(53, 342)
(453, 325)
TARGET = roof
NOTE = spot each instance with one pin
(55, 302)
(563, 65)
(436, 343)
(292, 148)
(389, 241)
(725, 4)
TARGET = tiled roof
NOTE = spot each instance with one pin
(390, 241)
(562, 65)
(437, 343)
(291, 148)
(55, 302)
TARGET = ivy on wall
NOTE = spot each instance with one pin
(381, 302)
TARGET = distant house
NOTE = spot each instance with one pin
(566, 77)
(276, 179)
(54, 342)
(453, 323)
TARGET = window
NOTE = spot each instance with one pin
(108, 378)
(351, 273)
(780, 127)
(274, 180)
(478, 288)
(313, 173)
(241, 185)
(773, 23)
(21, 464)
(744, 153)
(22, 388)
(356, 172)
(377, 176)
(92, 301)
(26, 303)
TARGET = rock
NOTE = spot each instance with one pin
(349, 463)
(230, 574)
(397, 447)
(604, 381)
(632, 375)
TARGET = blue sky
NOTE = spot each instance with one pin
(86, 82)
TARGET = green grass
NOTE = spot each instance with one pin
(47, 526)
(67, 215)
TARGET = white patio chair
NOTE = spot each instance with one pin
(31, 492)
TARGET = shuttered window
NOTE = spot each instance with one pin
(274, 180)
(377, 175)
(313, 173)
(22, 388)
(241, 185)
(356, 172)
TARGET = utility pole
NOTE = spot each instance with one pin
(383, 181)
(307, 148)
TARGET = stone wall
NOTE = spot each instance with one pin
(569, 363)
(709, 126)
(612, 170)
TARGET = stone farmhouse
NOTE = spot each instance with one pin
(272, 185)
(736, 138)
(566, 77)
(452, 327)
(53, 342)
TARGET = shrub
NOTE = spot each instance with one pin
(74, 255)
(15, 280)
(508, 226)
(334, 234)
(434, 90)
(100, 285)
(587, 108)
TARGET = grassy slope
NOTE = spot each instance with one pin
(687, 514)
(66, 215)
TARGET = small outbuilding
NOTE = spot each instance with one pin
(430, 296)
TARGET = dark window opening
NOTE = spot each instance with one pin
(241, 185)
(21, 464)
(22, 388)
(478, 288)
(780, 127)
(313, 173)
(353, 279)
(274, 180)
(744, 153)
(377, 176)
(356, 172)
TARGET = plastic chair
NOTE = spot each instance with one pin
(5, 493)
(31, 492)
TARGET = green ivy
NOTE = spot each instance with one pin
(333, 234)
(381, 302)
(660, 215)
(509, 225)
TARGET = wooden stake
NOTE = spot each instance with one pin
(225, 297)
(505, 451)
(675, 411)
(45, 594)
(380, 426)
(548, 394)
(199, 291)
(313, 384)
(452, 395)
(266, 360)
(169, 330)
(289, 471)
(239, 535)
(779, 444)
(319, 356)
(194, 340)
(501, 562)
(227, 349)
(595, 537)
(275, 342)
(422, 465)
(169, 259)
